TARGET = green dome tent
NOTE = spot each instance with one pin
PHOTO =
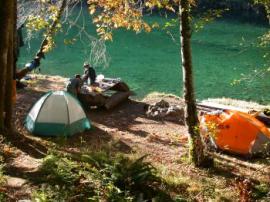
(57, 114)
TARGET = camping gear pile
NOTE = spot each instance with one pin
(235, 131)
(57, 113)
(163, 110)
(106, 92)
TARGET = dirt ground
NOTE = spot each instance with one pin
(126, 127)
(127, 123)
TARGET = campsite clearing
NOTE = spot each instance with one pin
(127, 130)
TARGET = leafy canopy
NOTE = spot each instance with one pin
(113, 14)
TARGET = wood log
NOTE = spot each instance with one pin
(212, 107)
(263, 118)
(123, 87)
(21, 73)
(92, 100)
(236, 161)
(251, 170)
(116, 99)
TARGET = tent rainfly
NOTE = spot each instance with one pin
(57, 113)
(236, 132)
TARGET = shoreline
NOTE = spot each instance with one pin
(44, 82)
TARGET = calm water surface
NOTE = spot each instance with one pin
(150, 62)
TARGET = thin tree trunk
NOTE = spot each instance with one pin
(23, 72)
(52, 28)
(10, 66)
(196, 149)
(5, 22)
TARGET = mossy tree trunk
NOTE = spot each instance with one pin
(6, 60)
(196, 147)
(10, 65)
(4, 24)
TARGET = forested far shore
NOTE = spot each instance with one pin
(242, 8)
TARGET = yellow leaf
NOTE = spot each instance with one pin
(92, 11)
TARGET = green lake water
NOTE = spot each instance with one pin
(149, 62)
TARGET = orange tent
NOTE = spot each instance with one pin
(235, 131)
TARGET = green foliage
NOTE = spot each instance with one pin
(2, 163)
(266, 4)
(208, 17)
(52, 193)
(63, 178)
(261, 191)
(171, 23)
(265, 40)
(97, 176)
(36, 23)
(40, 196)
(2, 177)
(59, 170)
(136, 176)
(2, 197)
(48, 22)
(125, 176)
(258, 73)
(266, 112)
(180, 199)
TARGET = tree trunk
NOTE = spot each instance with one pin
(5, 22)
(10, 66)
(196, 147)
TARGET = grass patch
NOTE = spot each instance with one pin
(196, 184)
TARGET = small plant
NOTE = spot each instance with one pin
(2, 196)
(136, 176)
(59, 170)
(65, 178)
(40, 196)
(51, 193)
(266, 112)
(261, 191)
(180, 199)
(2, 179)
(126, 178)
